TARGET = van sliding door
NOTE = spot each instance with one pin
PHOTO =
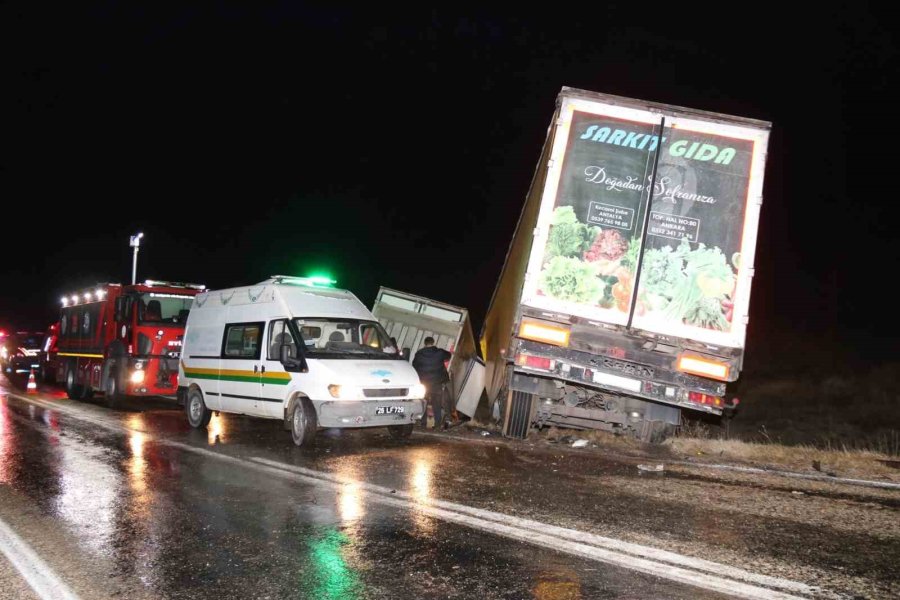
(239, 377)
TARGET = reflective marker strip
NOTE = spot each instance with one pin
(35, 571)
(81, 355)
(275, 378)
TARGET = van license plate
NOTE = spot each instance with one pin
(389, 410)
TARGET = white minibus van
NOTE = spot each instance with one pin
(295, 349)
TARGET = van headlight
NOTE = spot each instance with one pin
(417, 391)
(334, 390)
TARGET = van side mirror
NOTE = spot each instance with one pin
(293, 364)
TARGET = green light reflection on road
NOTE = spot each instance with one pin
(333, 578)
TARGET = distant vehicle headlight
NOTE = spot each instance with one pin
(417, 391)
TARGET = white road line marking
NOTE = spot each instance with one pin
(645, 559)
(501, 524)
(563, 533)
(33, 569)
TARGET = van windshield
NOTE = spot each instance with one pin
(345, 338)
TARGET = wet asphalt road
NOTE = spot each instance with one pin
(132, 503)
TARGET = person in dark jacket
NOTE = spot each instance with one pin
(429, 364)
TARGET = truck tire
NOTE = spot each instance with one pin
(655, 432)
(517, 421)
(303, 422)
(113, 391)
(73, 391)
(400, 432)
(198, 415)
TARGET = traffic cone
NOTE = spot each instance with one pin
(32, 384)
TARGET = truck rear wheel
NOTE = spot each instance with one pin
(73, 391)
(655, 432)
(303, 422)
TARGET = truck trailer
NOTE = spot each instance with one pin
(625, 292)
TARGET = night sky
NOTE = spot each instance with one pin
(396, 148)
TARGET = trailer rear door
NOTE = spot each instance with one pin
(663, 197)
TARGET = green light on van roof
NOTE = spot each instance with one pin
(323, 280)
(312, 280)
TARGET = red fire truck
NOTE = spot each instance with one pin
(123, 340)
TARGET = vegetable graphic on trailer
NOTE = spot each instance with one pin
(700, 229)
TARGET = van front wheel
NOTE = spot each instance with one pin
(303, 422)
(400, 432)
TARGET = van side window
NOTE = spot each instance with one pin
(280, 335)
(242, 340)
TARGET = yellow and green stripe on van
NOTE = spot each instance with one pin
(273, 378)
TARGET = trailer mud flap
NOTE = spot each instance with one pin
(519, 410)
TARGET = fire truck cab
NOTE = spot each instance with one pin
(123, 340)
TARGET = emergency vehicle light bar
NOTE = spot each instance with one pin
(316, 281)
(88, 297)
(193, 286)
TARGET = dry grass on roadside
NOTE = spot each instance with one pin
(802, 458)
(694, 442)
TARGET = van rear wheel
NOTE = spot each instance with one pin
(303, 422)
(198, 414)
